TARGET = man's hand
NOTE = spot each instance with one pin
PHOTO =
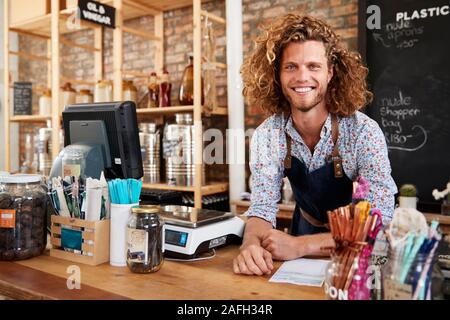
(253, 259)
(281, 245)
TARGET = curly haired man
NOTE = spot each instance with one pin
(312, 88)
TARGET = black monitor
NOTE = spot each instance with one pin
(113, 126)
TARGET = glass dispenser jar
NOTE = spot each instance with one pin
(67, 96)
(145, 239)
(129, 91)
(84, 96)
(103, 91)
(23, 205)
(45, 103)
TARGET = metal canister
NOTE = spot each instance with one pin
(179, 151)
(145, 239)
(149, 138)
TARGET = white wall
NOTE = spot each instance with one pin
(13, 65)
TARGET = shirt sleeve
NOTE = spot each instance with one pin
(373, 165)
(267, 174)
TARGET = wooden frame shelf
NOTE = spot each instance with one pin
(212, 188)
(223, 111)
(30, 119)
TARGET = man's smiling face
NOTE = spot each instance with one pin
(304, 74)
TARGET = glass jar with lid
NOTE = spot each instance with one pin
(145, 239)
(84, 96)
(67, 96)
(23, 224)
(129, 91)
(103, 91)
(45, 103)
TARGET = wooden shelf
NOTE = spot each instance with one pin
(165, 110)
(175, 109)
(29, 119)
(213, 188)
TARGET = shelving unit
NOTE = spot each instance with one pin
(50, 28)
(156, 8)
(46, 28)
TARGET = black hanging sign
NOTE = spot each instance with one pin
(22, 98)
(98, 13)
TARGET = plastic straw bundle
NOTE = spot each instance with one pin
(125, 191)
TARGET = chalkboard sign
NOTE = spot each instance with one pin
(406, 46)
(22, 98)
(97, 12)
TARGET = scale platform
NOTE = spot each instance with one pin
(190, 232)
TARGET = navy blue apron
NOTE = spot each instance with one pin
(316, 192)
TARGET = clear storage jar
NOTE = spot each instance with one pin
(416, 278)
(145, 239)
(23, 225)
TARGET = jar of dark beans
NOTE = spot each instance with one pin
(22, 217)
(145, 247)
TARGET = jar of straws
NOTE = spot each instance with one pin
(354, 229)
(408, 274)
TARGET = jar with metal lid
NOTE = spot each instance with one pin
(129, 91)
(84, 96)
(23, 206)
(67, 96)
(103, 91)
(45, 103)
(145, 239)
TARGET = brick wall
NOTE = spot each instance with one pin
(77, 63)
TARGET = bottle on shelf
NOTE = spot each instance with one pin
(186, 96)
(153, 91)
(45, 103)
(129, 91)
(67, 96)
(165, 88)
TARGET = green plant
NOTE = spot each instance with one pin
(408, 190)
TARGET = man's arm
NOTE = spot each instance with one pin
(253, 258)
(283, 246)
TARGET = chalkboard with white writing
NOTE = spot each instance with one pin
(406, 46)
(22, 98)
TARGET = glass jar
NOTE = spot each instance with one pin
(129, 91)
(145, 239)
(345, 277)
(153, 91)
(84, 96)
(103, 91)
(23, 205)
(45, 103)
(417, 278)
(67, 96)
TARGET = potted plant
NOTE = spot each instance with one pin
(408, 196)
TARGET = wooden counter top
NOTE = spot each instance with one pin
(45, 277)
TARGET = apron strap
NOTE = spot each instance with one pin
(313, 221)
(335, 156)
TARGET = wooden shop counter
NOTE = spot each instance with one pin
(45, 277)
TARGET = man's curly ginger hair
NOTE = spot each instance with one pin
(347, 91)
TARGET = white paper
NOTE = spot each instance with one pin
(303, 272)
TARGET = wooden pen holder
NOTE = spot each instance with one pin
(94, 240)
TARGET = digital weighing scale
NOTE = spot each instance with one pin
(190, 232)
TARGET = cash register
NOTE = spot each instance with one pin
(190, 232)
